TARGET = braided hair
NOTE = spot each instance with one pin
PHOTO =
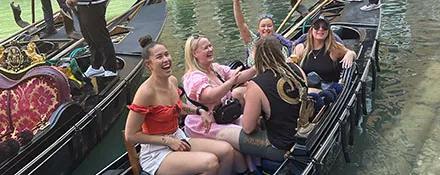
(268, 56)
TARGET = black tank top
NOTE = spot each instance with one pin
(283, 115)
(321, 63)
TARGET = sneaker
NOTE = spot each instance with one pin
(370, 7)
(91, 72)
(108, 73)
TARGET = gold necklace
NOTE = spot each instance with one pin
(314, 55)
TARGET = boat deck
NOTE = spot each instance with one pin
(353, 14)
(150, 23)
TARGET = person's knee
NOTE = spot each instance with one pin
(211, 162)
(225, 150)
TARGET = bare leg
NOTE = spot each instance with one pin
(177, 163)
(231, 135)
(223, 150)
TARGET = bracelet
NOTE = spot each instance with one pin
(198, 110)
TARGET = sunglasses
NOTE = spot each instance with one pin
(318, 25)
(266, 16)
(196, 37)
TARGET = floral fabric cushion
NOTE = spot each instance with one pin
(32, 99)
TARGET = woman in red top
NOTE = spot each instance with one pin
(152, 122)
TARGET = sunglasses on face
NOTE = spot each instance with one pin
(316, 26)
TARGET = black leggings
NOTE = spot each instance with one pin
(373, 1)
(93, 28)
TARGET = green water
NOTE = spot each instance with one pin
(8, 26)
(402, 133)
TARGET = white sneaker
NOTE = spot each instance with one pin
(108, 73)
(91, 72)
(370, 7)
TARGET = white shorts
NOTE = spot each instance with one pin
(151, 155)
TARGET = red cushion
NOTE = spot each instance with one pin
(4, 118)
(35, 97)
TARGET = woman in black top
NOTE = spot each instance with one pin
(273, 95)
(322, 54)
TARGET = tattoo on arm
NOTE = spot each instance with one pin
(188, 109)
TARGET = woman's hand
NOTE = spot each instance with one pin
(177, 145)
(234, 79)
(347, 61)
(207, 119)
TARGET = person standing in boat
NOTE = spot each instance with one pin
(67, 18)
(265, 28)
(210, 83)
(153, 122)
(322, 54)
(94, 29)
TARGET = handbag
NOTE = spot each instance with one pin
(228, 111)
(224, 113)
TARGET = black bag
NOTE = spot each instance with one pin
(224, 113)
(228, 111)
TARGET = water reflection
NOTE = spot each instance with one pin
(402, 133)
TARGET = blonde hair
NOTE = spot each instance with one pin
(329, 43)
(191, 63)
(268, 56)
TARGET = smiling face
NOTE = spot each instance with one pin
(265, 27)
(204, 52)
(159, 61)
(320, 30)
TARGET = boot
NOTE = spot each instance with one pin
(68, 25)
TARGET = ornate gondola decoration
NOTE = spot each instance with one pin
(15, 60)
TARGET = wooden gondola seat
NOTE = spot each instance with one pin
(28, 103)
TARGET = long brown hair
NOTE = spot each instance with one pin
(329, 43)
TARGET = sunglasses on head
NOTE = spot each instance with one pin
(318, 25)
(266, 16)
(196, 37)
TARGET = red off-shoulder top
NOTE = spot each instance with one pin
(159, 119)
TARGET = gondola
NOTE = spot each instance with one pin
(334, 124)
(54, 127)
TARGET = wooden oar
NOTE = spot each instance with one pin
(33, 10)
(313, 12)
(289, 15)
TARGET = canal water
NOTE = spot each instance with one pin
(401, 135)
